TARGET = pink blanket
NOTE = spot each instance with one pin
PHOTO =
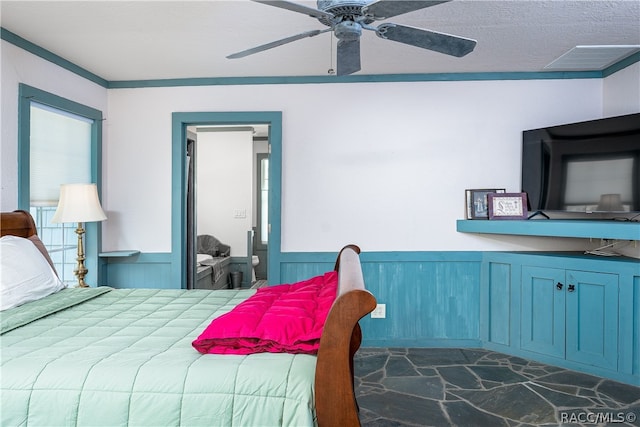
(276, 319)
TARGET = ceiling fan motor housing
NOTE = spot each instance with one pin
(348, 30)
(343, 10)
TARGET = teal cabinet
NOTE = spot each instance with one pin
(577, 311)
(570, 314)
(496, 302)
(542, 325)
(592, 318)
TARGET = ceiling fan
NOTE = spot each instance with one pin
(347, 19)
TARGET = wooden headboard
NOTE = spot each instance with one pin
(17, 223)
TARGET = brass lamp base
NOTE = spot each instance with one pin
(80, 270)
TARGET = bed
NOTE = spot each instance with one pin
(103, 356)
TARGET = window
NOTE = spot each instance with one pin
(60, 153)
(59, 143)
(264, 200)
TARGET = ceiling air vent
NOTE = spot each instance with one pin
(592, 58)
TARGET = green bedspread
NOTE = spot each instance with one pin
(124, 357)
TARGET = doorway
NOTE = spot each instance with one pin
(227, 202)
(183, 268)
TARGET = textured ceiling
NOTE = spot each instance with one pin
(145, 40)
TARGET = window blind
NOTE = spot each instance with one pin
(60, 152)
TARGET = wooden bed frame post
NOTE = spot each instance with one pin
(335, 398)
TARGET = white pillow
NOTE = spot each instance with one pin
(25, 275)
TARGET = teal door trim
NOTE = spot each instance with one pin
(180, 121)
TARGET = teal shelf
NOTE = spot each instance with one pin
(596, 229)
(118, 254)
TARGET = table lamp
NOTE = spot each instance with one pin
(79, 203)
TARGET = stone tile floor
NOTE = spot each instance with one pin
(474, 387)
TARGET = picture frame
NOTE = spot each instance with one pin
(507, 206)
(476, 202)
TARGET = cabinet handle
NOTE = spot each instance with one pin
(559, 286)
(571, 288)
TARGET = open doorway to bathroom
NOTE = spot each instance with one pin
(228, 200)
(184, 229)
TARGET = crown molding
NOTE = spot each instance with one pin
(30, 47)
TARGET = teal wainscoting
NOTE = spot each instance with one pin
(431, 298)
(140, 270)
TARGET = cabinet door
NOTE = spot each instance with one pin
(592, 318)
(498, 304)
(542, 328)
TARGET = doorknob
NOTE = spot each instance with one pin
(571, 288)
(559, 286)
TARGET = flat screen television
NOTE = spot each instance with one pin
(584, 170)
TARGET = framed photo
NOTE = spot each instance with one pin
(476, 202)
(507, 205)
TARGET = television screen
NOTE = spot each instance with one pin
(587, 167)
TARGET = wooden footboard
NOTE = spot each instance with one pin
(335, 399)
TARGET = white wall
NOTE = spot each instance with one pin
(622, 92)
(384, 165)
(19, 66)
(224, 186)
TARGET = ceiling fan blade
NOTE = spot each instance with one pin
(315, 13)
(276, 43)
(383, 9)
(348, 57)
(439, 42)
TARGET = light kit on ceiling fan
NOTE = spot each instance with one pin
(347, 19)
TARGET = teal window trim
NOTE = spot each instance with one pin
(180, 121)
(27, 95)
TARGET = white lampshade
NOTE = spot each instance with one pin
(78, 203)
